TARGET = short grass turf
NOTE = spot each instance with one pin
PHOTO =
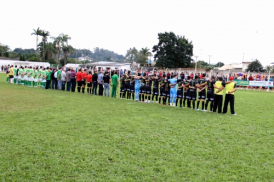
(49, 135)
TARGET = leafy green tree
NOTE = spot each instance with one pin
(37, 32)
(3, 50)
(144, 54)
(255, 66)
(172, 51)
(13, 54)
(108, 58)
(219, 64)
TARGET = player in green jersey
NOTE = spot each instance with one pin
(15, 75)
(31, 73)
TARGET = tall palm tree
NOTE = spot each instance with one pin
(50, 50)
(57, 42)
(37, 32)
(144, 53)
(65, 38)
(45, 35)
(66, 50)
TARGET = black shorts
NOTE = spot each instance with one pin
(148, 89)
(167, 93)
(122, 89)
(89, 84)
(202, 95)
(162, 91)
(132, 88)
(11, 76)
(179, 93)
(155, 91)
(143, 89)
(79, 83)
(210, 96)
(127, 87)
(84, 83)
(185, 94)
(192, 95)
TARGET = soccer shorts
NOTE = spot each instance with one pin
(127, 87)
(143, 90)
(25, 77)
(167, 93)
(30, 79)
(210, 96)
(192, 95)
(202, 95)
(11, 76)
(40, 79)
(122, 89)
(35, 79)
(79, 83)
(155, 91)
(173, 93)
(132, 88)
(84, 83)
(89, 84)
(162, 91)
(148, 89)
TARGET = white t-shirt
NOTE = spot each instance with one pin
(63, 76)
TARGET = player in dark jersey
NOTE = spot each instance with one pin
(162, 90)
(167, 91)
(179, 92)
(132, 86)
(122, 87)
(202, 92)
(155, 92)
(148, 89)
(127, 86)
(188, 97)
(210, 93)
(184, 90)
(193, 91)
(142, 88)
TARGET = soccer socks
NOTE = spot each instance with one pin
(143, 97)
(176, 102)
(203, 105)
(159, 100)
(133, 96)
(79, 88)
(211, 106)
(193, 104)
(206, 104)
(184, 102)
(83, 90)
(198, 103)
(149, 97)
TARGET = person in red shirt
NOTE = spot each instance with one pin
(89, 82)
(79, 79)
(84, 77)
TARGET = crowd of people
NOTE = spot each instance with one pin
(185, 91)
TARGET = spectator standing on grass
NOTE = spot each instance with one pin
(73, 80)
(53, 79)
(106, 81)
(100, 82)
(68, 79)
(63, 79)
(230, 88)
(94, 83)
(115, 83)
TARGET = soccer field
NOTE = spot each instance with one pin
(56, 135)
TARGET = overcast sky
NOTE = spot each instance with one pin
(224, 29)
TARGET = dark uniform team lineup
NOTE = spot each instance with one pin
(184, 92)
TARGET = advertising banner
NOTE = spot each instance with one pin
(242, 82)
(261, 83)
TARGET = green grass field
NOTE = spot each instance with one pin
(49, 135)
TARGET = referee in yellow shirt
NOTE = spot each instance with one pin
(229, 97)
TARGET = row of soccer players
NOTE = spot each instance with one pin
(173, 91)
(30, 76)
